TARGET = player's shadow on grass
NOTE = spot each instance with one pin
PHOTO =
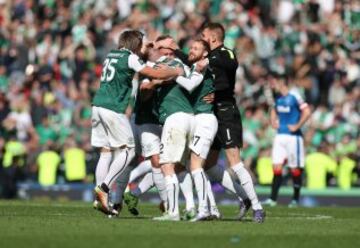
(150, 217)
(235, 220)
(135, 217)
(246, 220)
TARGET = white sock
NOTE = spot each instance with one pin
(172, 189)
(247, 184)
(140, 170)
(201, 187)
(146, 183)
(122, 158)
(215, 173)
(211, 197)
(102, 167)
(121, 184)
(159, 181)
(233, 186)
(186, 187)
(220, 175)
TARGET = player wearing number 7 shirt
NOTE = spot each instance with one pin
(204, 124)
(111, 130)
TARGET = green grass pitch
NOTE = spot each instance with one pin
(41, 224)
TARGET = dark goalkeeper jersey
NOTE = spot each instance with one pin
(223, 65)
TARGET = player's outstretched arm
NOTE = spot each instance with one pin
(161, 72)
(194, 79)
(191, 82)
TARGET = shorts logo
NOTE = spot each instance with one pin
(148, 147)
(95, 123)
(228, 136)
(130, 141)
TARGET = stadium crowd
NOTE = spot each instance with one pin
(51, 56)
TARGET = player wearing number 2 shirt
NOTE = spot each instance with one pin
(111, 130)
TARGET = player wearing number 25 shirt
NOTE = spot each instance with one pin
(111, 130)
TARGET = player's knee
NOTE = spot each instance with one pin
(105, 149)
(233, 155)
(155, 161)
(168, 169)
(215, 173)
(127, 152)
(179, 168)
(131, 153)
(212, 159)
(196, 161)
(296, 172)
(277, 170)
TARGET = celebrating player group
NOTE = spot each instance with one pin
(184, 115)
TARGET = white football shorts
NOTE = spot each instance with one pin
(150, 139)
(288, 148)
(110, 129)
(175, 137)
(205, 129)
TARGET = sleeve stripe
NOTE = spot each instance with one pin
(134, 63)
(303, 105)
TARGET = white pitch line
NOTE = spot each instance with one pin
(319, 217)
(304, 216)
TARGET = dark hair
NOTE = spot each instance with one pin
(204, 44)
(131, 40)
(163, 37)
(285, 77)
(80, 47)
(217, 28)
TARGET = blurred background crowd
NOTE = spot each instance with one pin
(50, 61)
